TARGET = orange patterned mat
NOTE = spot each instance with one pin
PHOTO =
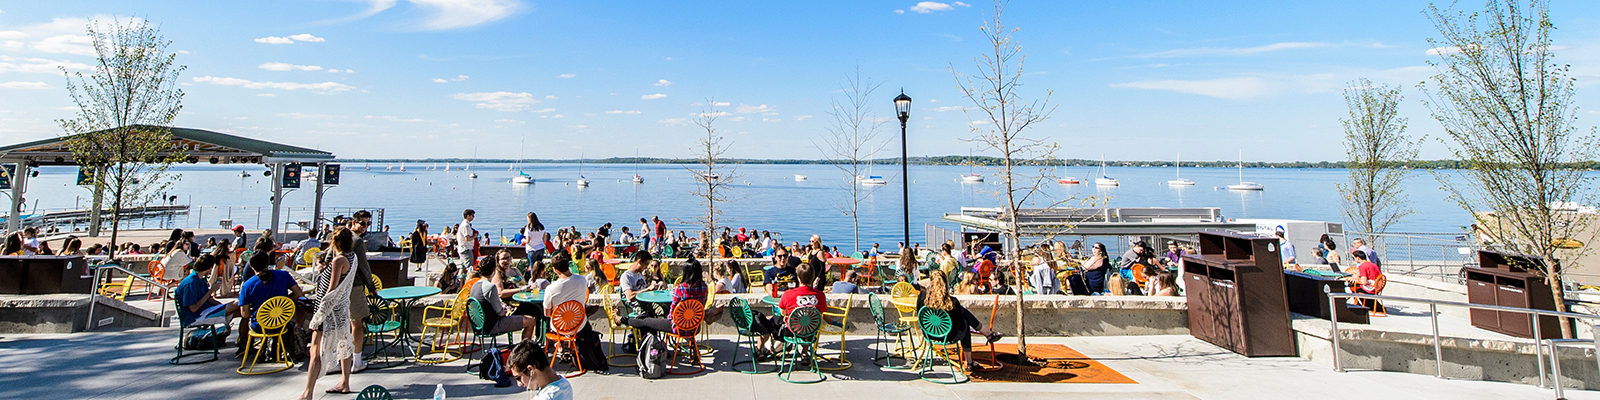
(1057, 364)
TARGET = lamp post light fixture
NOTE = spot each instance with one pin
(902, 108)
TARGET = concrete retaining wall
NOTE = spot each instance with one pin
(1464, 358)
(67, 313)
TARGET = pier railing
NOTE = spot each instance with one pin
(201, 217)
(1429, 255)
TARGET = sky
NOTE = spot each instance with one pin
(538, 79)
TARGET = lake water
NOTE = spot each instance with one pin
(763, 196)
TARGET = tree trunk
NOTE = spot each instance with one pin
(1559, 292)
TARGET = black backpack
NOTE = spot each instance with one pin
(653, 355)
(589, 352)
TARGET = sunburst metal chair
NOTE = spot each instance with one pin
(936, 325)
(272, 319)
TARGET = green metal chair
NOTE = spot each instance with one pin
(477, 317)
(935, 324)
(885, 329)
(380, 321)
(744, 319)
(183, 358)
(374, 392)
(802, 324)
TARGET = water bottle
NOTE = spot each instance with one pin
(438, 392)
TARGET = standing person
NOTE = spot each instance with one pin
(1096, 268)
(533, 239)
(644, 233)
(467, 238)
(1372, 255)
(1286, 248)
(1330, 251)
(603, 235)
(531, 366)
(419, 244)
(359, 223)
(329, 335)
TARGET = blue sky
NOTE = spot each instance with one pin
(454, 78)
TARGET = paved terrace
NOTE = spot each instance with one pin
(132, 364)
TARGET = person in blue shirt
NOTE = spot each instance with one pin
(531, 368)
(1286, 248)
(194, 294)
(267, 283)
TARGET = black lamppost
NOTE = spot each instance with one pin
(902, 107)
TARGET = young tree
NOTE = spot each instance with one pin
(852, 141)
(993, 91)
(125, 104)
(1507, 109)
(710, 176)
(1375, 147)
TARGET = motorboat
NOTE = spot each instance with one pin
(799, 178)
(1068, 180)
(873, 180)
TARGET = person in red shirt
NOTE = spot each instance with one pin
(1367, 274)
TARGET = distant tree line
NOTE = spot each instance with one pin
(962, 160)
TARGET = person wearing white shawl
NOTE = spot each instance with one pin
(331, 339)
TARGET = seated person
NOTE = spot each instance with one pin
(1165, 283)
(1043, 278)
(997, 285)
(531, 367)
(729, 280)
(265, 284)
(968, 283)
(1365, 279)
(781, 275)
(568, 287)
(848, 284)
(799, 296)
(488, 293)
(963, 323)
(194, 297)
(692, 285)
(633, 281)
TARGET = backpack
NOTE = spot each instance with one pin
(493, 367)
(206, 339)
(652, 362)
(589, 352)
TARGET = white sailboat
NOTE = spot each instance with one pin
(1242, 185)
(799, 178)
(582, 181)
(402, 167)
(1105, 180)
(636, 178)
(522, 177)
(971, 177)
(1178, 179)
(873, 180)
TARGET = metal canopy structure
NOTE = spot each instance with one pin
(1035, 222)
(201, 146)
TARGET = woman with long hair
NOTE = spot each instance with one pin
(962, 322)
(533, 239)
(906, 267)
(331, 338)
(1095, 269)
(1332, 250)
(419, 243)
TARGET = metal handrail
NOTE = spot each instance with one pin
(1433, 316)
(94, 290)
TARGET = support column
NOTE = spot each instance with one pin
(99, 196)
(277, 198)
(14, 223)
(316, 207)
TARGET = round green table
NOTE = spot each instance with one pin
(405, 297)
(531, 296)
(655, 296)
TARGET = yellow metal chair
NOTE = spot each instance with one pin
(842, 317)
(311, 255)
(446, 329)
(117, 289)
(904, 297)
(272, 320)
(609, 303)
(754, 277)
(705, 349)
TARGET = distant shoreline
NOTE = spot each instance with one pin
(938, 160)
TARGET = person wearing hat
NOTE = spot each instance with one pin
(1287, 247)
(238, 237)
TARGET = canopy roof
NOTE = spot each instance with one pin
(201, 146)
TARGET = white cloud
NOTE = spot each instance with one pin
(297, 115)
(624, 112)
(499, 101)
(1236, 51)
(291, 39)
(653, 96)
(674, 122)
(803, 117)
(341, 71)
(1443, 51)
(949, 108)
(720, 104)
(392, 118)
(38, 65)
(1239, 88)
(458, 78)
(977, 123)
(764, 119)
(454, 14)
(322, 87)
(926, 7)
(578, 126)
(749, 109)
(440, 80)
(899, 11)
(67, 44)
(567, 76)
(59, 36)
(663, 82)
(543, 110)
(279, 66)
(24, 85)
(509, 121)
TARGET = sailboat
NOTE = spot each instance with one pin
(873, 180)
(1105, 180)
(390, 167)
(522, 177)
(971, 177)
(1242, 185)
(799, 178)
(402, 167)
(243, 173)
(1179, 180)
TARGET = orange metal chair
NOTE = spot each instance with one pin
(1376, 308)
(565, 322)
(158, 273)
(686, 316)
(995, 308)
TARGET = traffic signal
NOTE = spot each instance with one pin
(290, 178)
(330, 174)
(85, 176)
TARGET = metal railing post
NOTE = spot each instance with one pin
(1333, 319)
(1555, 364)
(94, 297)
(1438, 349)
(1538, 350)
